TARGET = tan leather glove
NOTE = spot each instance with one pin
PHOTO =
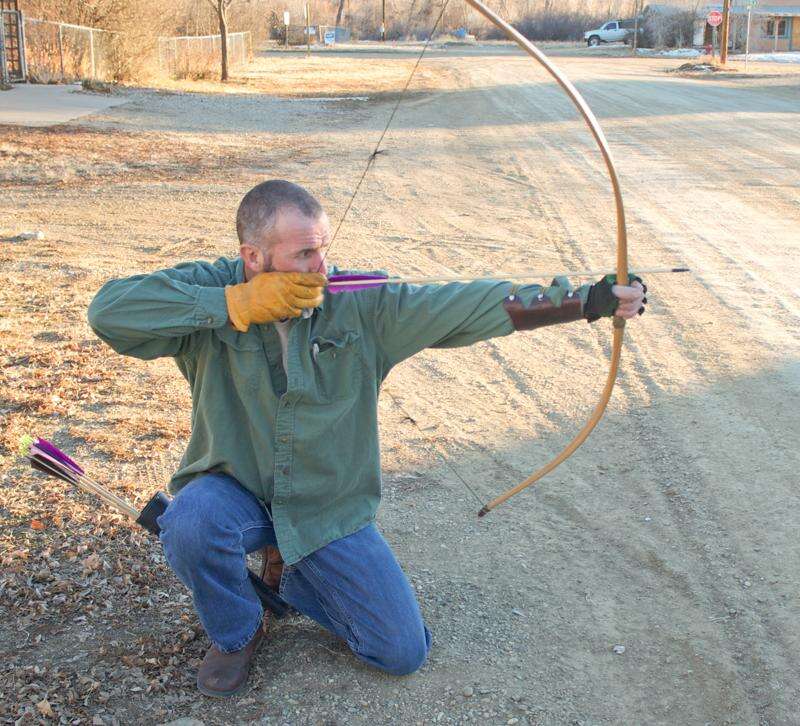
(272, 296)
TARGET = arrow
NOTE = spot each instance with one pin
(49, 459)
(351, 283)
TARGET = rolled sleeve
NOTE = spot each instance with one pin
(148, 316)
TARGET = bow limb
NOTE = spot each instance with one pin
(622, 245)
(582, 435)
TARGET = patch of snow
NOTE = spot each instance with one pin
(325, 99)
(789, 57)
(676, 53)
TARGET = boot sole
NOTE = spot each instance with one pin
(224, 694)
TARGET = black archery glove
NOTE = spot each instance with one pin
(601, 302)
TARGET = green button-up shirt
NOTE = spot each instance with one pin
(303, 438)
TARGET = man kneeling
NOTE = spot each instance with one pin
(283, 456)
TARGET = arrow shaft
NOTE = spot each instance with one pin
(533, 274)
(92, 487)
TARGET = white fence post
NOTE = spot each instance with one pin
(4, 75)
(747, 41)
(91, 51)
(61, 50)
(23, 61)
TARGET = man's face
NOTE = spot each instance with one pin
(295, 243)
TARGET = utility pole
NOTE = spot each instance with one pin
(726, 27)
(383, 20)
(776, 24)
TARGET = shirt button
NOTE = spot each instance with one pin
(284, 439)
(285, 471)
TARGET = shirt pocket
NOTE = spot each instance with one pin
(338, 366)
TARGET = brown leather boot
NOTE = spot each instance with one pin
(225, 674)
(271, 566)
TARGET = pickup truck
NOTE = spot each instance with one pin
(613, 31)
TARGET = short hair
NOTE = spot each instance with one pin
(260, 206)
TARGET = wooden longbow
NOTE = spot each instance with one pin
(622, 248)
(622, 237)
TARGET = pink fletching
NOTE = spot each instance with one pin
(53, 452)
(359, 282)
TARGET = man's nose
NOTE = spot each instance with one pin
(320, 265)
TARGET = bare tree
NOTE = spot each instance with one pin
(339, 12)
(221, 8)
(411, 9)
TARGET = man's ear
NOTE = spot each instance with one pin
(252, 257)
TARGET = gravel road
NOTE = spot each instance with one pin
(652, 579)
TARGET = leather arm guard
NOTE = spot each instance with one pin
(543, 311)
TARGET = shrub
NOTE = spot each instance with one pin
(553, 25)
(668, 29)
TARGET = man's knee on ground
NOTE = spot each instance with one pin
(404, 657)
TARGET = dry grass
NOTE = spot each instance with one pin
(290, 75)
(79, 156)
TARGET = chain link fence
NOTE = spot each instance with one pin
(200, 55)
(64, 52)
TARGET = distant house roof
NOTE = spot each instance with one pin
(680, 7)
(740, 8)
(776, 10)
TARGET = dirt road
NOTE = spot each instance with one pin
(672, 532)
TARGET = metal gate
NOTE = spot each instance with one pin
(12, 43)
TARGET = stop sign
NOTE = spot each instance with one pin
(714, 18)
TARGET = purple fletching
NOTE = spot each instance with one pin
(51, 465)
(56, 454)
(355, 279)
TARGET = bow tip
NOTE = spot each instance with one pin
(484, 511)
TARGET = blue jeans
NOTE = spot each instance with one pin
(353, 586)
